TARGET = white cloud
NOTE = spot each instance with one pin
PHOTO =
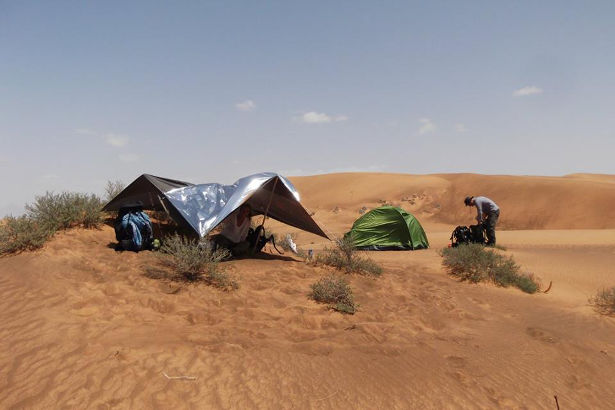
(313, 117)
(129, 157)
(427, 126)
(459, 127)
(116, 140)
(527, 90)
(247, 105)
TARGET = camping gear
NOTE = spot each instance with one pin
(387, 228)
(461, 235)
(478, 233)
(133, 230)
(465, 235)
(291, 244)
(201, 208)
(258, 239)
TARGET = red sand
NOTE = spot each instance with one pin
(81, 326)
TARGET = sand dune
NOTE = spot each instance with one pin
(573, 202)
(82, 326)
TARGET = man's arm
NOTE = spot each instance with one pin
(479, 211)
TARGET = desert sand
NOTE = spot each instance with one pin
(83, 326)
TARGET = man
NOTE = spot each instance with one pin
(487, 214)
(235, 232)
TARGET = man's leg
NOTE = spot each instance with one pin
(492, 221)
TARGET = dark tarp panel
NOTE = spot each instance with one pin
(147, 191)
(284, 207)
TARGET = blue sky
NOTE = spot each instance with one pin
(208, 91)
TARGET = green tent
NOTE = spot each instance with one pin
(388, 228)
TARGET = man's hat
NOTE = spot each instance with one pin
(468, 200)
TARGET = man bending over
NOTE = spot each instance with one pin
(487, 214)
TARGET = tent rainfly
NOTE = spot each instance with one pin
(202, 207)
(388, 228)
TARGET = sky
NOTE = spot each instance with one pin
(209, 91)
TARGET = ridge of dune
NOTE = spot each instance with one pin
(526, 202)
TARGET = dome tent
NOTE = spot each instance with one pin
(388, 228)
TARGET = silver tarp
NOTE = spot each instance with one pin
(205, 206)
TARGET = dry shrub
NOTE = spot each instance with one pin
(346, 257)
(604, 301)
(113, 188)
(19, 234)
(47, 215)
(54, 212)
(336, 292)
(191, 261)
(475, 263)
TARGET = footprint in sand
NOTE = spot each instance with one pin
(541, 334)
(456, 361)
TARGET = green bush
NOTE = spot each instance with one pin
(604, 301)
(65, 210)
(336, 292)
(20, 234)
(47, 215)
(192, 262)
(475, 263)
(346, 257)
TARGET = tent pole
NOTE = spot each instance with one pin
(275, 183)
(157, 220)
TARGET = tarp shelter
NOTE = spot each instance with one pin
(388, 228)
(202, 207)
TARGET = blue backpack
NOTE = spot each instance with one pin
(133, 230)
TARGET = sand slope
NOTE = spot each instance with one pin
(83, 326)
(572, 202)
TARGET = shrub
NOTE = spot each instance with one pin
(475, 263)
(336, 292)
(48, 214)
(604, 301)
(112, 189)
(53, 212)
(192, 262)
(346, 257)
(21, 234)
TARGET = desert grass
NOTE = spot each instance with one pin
(604, 301)
(191, 261)
(345, 256)
(475, 263)
(335, 291)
